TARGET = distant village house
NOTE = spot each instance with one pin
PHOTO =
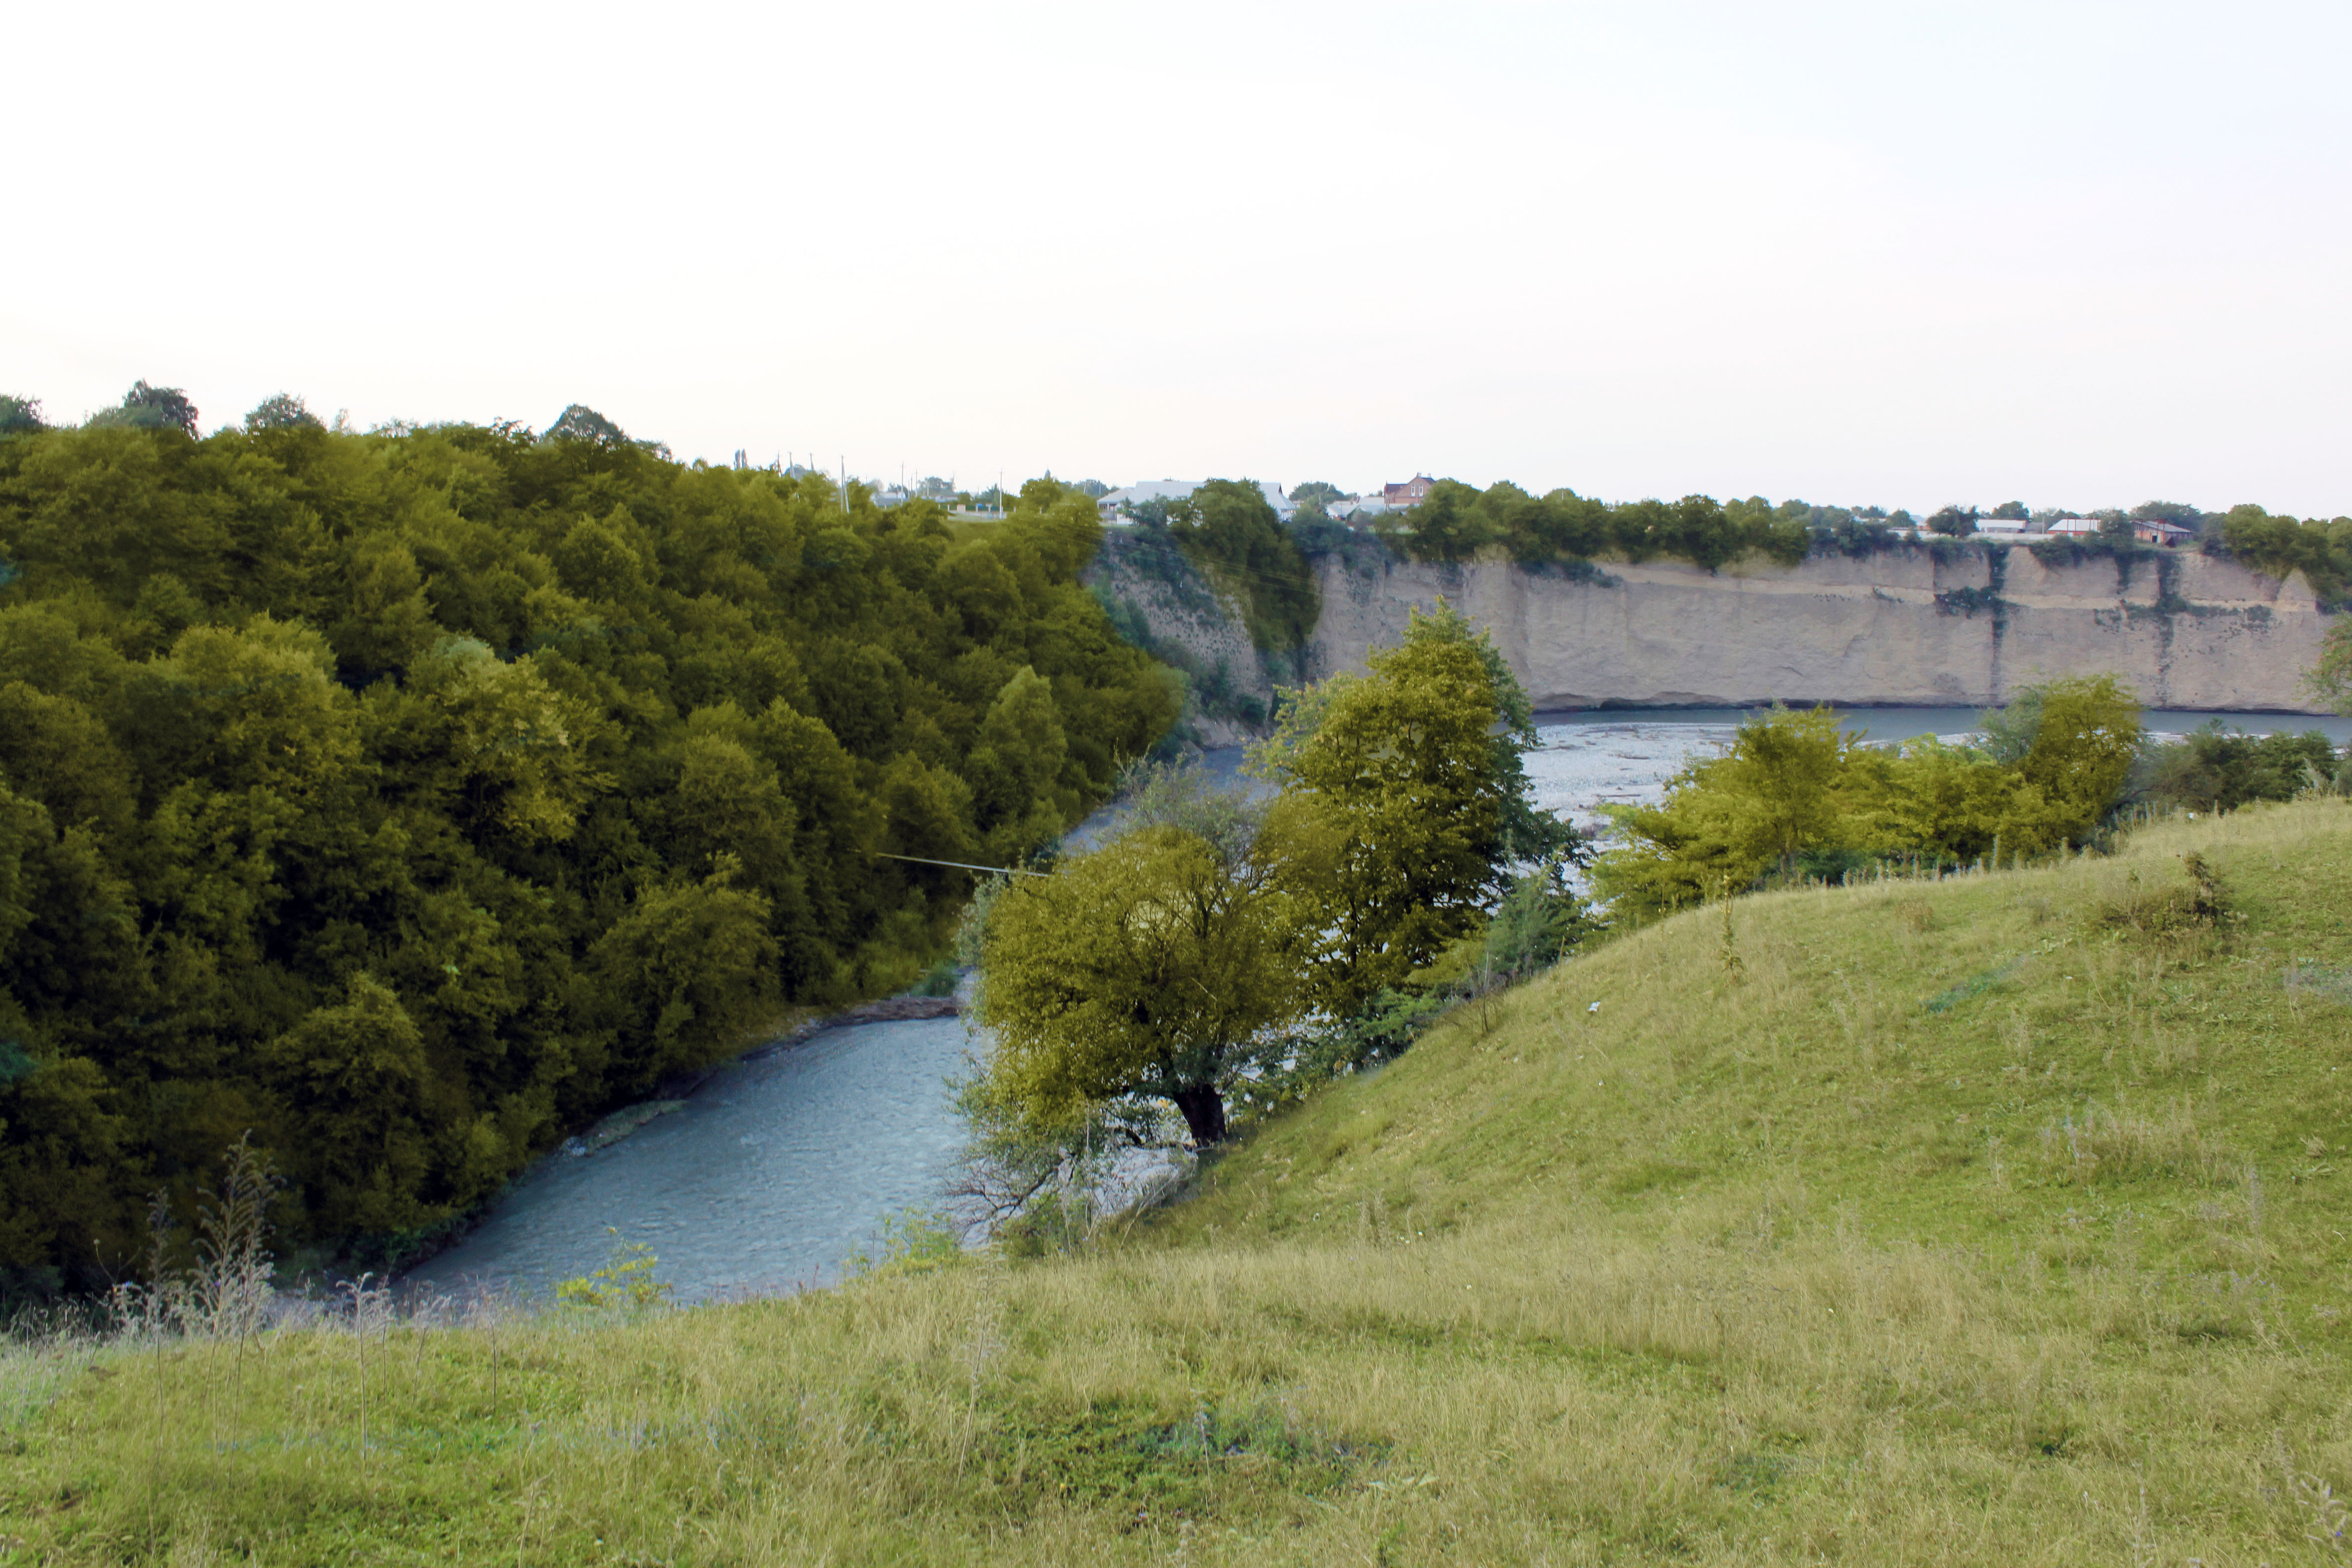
(1413, 492)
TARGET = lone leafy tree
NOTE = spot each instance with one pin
(1154, 966)
(145, 407)
(282, 411)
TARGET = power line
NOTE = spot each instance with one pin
(960, 865)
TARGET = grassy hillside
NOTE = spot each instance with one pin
(1993, 1220)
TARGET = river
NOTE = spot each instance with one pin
(784, 1165)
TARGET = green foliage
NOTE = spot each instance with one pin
(1795, 796)
(938, 979)
(1727, 821)
(411, 798)
(1175, 964)
(1316, 496)
(627, 1279)
(19, 415)
(1456, 523)
(1404, 792)
(2216, 769)
(1540, 922)
(2086, 734)
(913, 1241)
(1150, 966)
(2330, 680)
(2279, 545)
(578, 422)
(2173, 512)
(146, 407)
(282, 411)
(1229, 529)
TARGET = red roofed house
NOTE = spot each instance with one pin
(1413, 492)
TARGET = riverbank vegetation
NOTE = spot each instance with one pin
(1796, 795)
(1984, 1218)
(1798, 798)
(1173, 964)
(410, 797)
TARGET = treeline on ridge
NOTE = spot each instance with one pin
(1458, 522)
(409, 797)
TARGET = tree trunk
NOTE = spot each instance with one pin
(1205, 1113)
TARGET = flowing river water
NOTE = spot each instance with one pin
(785, 1164)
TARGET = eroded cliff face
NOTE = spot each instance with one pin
(1162, 605)
(1900, 626)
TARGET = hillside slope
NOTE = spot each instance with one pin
(1965, 1062)
(1993, 1220)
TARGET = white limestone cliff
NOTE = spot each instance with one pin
(1961, 627)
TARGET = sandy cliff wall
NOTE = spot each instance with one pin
(1964, 628)
(1898, 627)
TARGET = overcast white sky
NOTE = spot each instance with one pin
(2079, 255)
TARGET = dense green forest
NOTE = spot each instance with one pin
(408, 797)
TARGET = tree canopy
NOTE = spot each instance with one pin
(146, 407)
(282, 411)
(409, 798)
(2279, 544)
(1167, 965)
(1409, 801)
(1151, 966)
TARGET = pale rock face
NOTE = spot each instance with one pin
(1894, 628)
(1898, 627)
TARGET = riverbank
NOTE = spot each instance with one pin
(883, 1010)
(672, 1095)
(762, 1178)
